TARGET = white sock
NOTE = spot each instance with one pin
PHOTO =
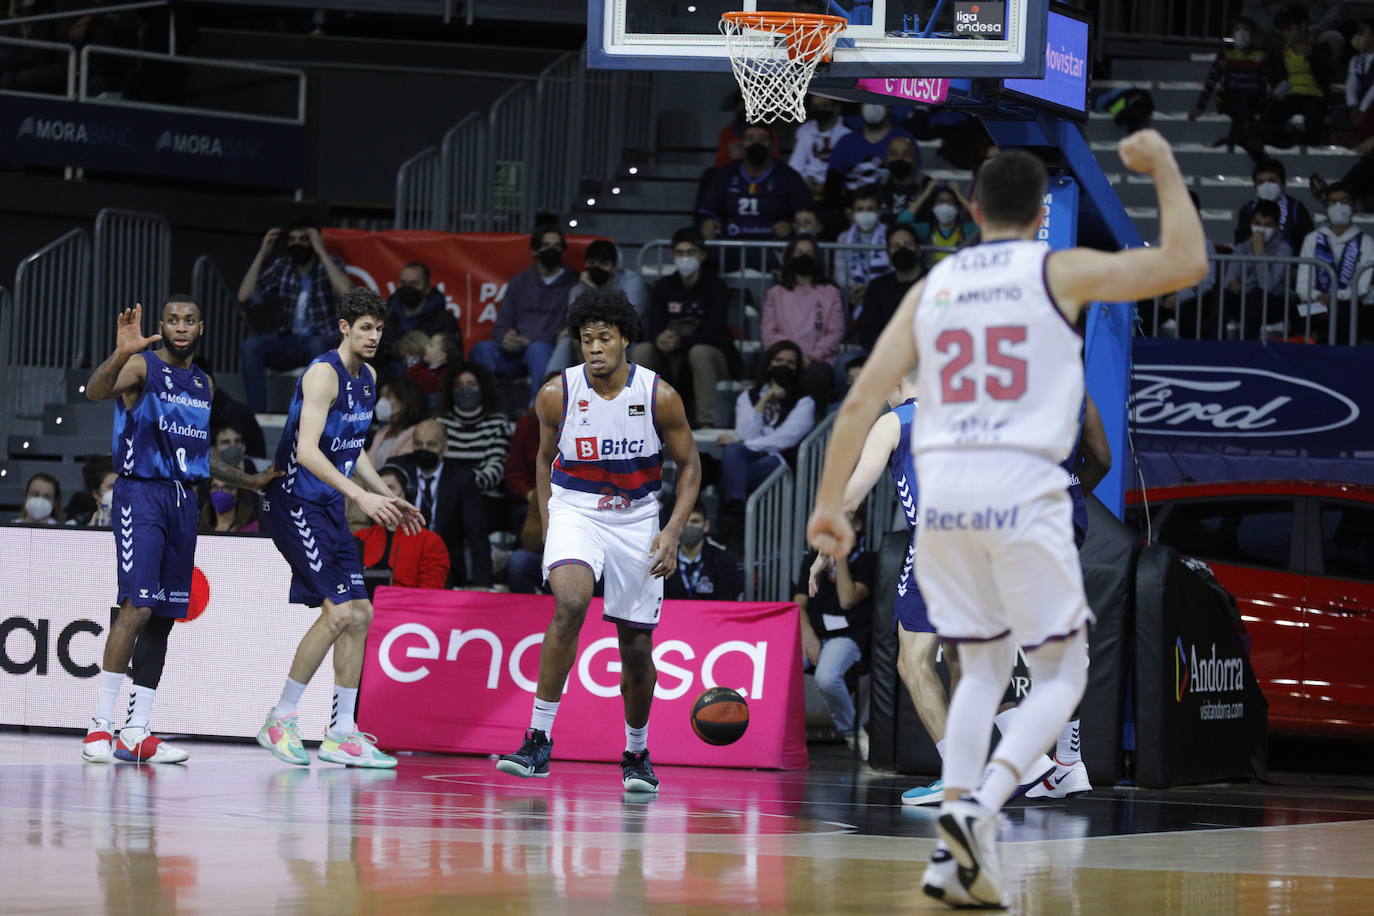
(290, 699)
(1004, 719)
(1068, 750)
(140, 707)
(341, 723)
(636, 739)
(107, 693)
(998, 784)
(542, 716)
(940, 748)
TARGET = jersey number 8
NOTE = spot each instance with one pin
(956, 388)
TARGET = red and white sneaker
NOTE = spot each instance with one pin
(1067, 781)
(138, 745)
(99, 744)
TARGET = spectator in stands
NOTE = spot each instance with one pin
(477, 433)
(857, 160)
(815, 141)
(1299, 74)
(807, 221)
(856, 268)
(771, 419)
(401, 404)
(1236, 83)
(687, 333)
(756, 198)
(227, 412)
(1348, 250)
(1187, 298)
(227, 509)
(290, 306)
(601, 272)
(949, 225)
(804, 307)
(229, 442)
(1352, 123)
(446, 492)
(730, 141)
(442, 352)
(1295, 222)
(1254, 291)
(416, 305)
(905, 185)
(835, 625)
(531, 315)
(704, 570)
(852, 368)
(417, 560)
(885, 293)
(90, 507)
(523, 455)
(42, 501)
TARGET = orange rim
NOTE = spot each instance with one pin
(789, 25)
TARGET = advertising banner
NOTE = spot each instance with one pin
(928, 91)
(225, 665)
(147, 141)
(470, 269)
(456, 671)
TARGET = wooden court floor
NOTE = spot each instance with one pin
(234, 831)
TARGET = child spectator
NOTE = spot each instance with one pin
(857, 268)
(1236, 84)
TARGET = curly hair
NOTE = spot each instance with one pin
(361, 302)
(604, 306)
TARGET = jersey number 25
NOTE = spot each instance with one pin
(957, 388)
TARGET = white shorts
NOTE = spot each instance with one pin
(620, 551)
(994, 548)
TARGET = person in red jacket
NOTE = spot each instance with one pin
(416, 560)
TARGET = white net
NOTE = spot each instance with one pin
(774, 62)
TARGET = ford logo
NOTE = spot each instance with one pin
(1233, 402)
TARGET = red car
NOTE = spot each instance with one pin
(1298, 556)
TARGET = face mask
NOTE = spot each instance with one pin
(425, 460)
(467, 398)
(1340, 214)
(38, 508)
(107, 500)
(1269, 190)
(874, 114)
(785, 376)
(1266, 232)
(865, 220)
(824, 116)
(222, 500)
(804, 265)
(407, 297)
(382, 411)
(411, 361)
(598, 275)
(945, 213)
(686, 267)
(231, 454)
(691, 536)
(549, 258)
(900, 169)
(301, 254)
(756, 154)
(1242, 39)
(903, 259)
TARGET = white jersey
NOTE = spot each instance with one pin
(610, 458)
(1000, 366)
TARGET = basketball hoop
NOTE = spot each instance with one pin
(774, 56)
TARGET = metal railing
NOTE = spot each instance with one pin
(8, 369)
(420, 190)
(49, 324)
(770, 559)
(132, 263)
(464, 192)
(1209, 310)
(1202, 20)
(12, 80)
(219, 308)
(810, 460)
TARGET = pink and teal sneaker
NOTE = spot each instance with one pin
(283, 738)
(355, 750)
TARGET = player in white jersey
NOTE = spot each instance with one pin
(603, 429)
(1002, 386)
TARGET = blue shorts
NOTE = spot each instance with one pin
(317, 545)
(154, 524)
(909, 610)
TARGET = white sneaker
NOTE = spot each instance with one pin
(941, 880)
(138, 745)
(858, 743)
(970, 832)
(1065, 782)
(99, 744)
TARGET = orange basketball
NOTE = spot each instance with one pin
(720, 716)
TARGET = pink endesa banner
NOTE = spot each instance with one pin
(930, 90)
(455, 672)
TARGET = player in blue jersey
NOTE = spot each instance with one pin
(321, 453)
(161, 450)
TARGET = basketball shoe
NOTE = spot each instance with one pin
(1066, 781)
(637, 772)
(532, 759)
(932, 794)
(941, 880)
(970, 832)
(356, 750)
(138, 745)
(283, 738)
(98, 747)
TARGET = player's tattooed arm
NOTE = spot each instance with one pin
(124, 370)
(237, 477)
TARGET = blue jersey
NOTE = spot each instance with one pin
(345, 428)
(166, 436)
(750, 207)
(1076, 494)
(902, 464)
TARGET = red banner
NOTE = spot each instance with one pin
(470, 269)
(455, 672)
